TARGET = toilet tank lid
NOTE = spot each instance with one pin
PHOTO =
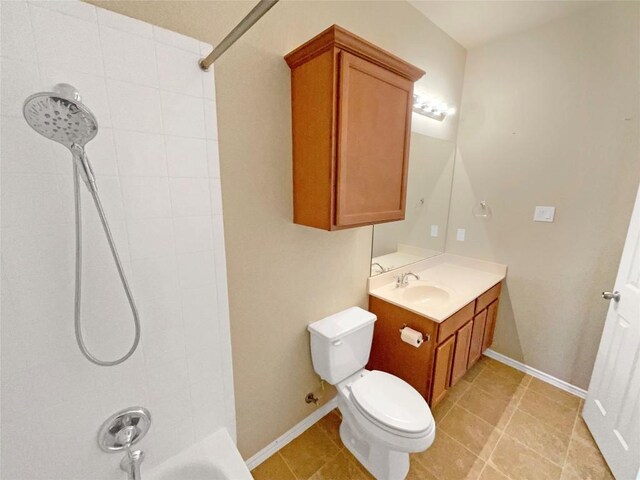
(342, 323)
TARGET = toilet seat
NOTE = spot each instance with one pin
(392, 404)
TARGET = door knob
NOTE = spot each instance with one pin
(615, 296)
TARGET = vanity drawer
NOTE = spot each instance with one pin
(487, 297)
(455, 321)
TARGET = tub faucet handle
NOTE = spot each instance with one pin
(126, 435)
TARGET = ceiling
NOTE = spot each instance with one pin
(472, 23)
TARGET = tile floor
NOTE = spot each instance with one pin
(496, 423)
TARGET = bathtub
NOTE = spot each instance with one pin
(214, 458)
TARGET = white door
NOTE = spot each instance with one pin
(612, 408)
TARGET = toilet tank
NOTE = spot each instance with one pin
(341, 343)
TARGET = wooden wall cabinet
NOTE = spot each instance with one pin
(351, 109)
(454, 345)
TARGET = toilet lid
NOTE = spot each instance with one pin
(392, 402)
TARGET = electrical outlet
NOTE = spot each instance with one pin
(460, 234)
(434, 230)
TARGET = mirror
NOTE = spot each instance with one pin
(422, 233)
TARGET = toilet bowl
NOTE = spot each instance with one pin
(383, 417)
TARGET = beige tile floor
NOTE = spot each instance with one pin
(496, 423)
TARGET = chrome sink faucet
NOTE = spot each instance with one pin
(382, 269)
(402, 280)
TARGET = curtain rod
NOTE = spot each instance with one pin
(245, 24)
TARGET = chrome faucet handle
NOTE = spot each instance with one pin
(126, 435)
(120, 432)
(124, 429)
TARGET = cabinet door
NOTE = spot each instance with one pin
(374, 123)
(477, 335)
(442, 370)
(489, 329)
(461, 353)
(390, 354)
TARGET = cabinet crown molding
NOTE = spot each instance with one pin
(337, 37)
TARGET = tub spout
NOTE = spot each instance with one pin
(131, 462)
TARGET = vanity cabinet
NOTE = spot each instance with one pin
(442, 370)
(477, 337)
(351, 117)
(388, 356)
(450, 349)
(461, 353)
(489, 329)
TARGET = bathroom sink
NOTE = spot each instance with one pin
(423, 294)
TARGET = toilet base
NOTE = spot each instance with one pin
(381, 462)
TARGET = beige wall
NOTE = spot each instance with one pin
(283, 276)
(550, 117)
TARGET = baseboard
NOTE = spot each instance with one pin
(545, 377)
(288, 436)
(299, 428)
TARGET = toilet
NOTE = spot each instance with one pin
(383, 417)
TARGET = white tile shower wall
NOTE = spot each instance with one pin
(156, 159)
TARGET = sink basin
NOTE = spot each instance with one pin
(423, 294)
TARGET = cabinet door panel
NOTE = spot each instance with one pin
(477, 335)
(461, 353)
(390, 354)
(489, 329)
(374, 121)
(442, 370)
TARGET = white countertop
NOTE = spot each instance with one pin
(455, 281)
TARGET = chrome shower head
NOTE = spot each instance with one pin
(60, 116)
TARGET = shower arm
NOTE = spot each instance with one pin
(245, 24)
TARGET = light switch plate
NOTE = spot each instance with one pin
(460, 233)
(544, 214)
(434, 230)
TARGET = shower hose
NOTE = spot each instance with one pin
(78, 282)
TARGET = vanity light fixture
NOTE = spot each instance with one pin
(432, 108)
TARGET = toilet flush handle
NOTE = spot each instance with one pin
(336, 343)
